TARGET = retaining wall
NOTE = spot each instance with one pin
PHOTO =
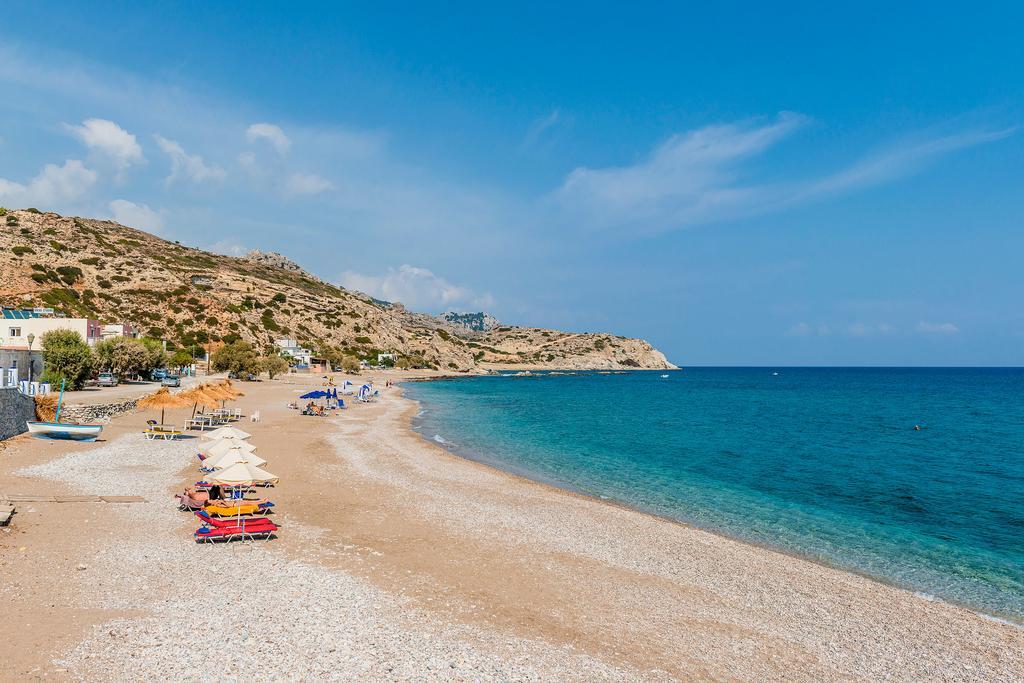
(15, 410)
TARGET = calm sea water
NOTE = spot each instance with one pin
(822, 462)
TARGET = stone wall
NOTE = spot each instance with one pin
(15, 411)
(97, 412)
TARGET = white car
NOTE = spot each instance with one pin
(106, 379)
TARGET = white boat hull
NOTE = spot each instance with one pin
(64, 431)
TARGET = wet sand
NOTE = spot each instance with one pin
(399, 561)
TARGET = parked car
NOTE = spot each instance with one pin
(106, 379)
(171, 381)
(158, 374)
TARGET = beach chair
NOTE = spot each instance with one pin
(247, 522)
(205, 534)
(237, 510)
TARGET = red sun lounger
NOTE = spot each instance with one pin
(229, 522)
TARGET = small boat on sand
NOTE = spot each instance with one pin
(65, 431)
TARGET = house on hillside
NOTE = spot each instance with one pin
(291, 348)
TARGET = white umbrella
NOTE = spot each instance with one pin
(240, 474)
(226, 432)
(232, 456)
(214, 448)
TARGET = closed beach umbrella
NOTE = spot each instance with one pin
(212, 449)
(228, 432)
(162, 399)
(241, 474)
(233, 456)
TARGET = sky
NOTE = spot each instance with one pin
(738, 184)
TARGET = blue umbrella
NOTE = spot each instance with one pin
(314, 394)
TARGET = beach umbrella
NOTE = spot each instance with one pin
(226, 432)
(199, 396)
(233, 456)
(162, 399)
(217, 447)
(241, 474)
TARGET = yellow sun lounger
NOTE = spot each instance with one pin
(233, 511)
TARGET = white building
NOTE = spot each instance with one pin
(24, 328)
(291, 348)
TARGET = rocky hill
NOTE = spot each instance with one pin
(113, 273)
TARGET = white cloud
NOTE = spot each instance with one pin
(416, 288)
(305, 183)
(696, 177)
(228, 247)
(271, 133)
(53, 185)
(539, 127)
(188, 166)
(937, 328)
(109, 139)
(136, 215)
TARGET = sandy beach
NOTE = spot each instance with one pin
(399, 561)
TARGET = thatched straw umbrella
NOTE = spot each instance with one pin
(201, 396)
(162, 399)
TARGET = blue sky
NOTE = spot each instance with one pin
(737, 184)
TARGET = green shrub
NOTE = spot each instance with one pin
(12, 219)
(3, 211)
(41, 278)
(211, 321)
(363, 340)
(120, 278)
(70, 274)
(104, 284)
(21, 251)
(32, 209)
(57, 246)
(279, 298)
(91, 261)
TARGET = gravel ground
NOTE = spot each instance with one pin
(241, 611)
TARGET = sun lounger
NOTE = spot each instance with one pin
(236, 510)
(246, 522)
(233, 533)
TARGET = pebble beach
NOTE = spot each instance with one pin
(399, 561)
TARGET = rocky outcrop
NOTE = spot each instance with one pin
(113, 273)
(473, 322)
(274, 260)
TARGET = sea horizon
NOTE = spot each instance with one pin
(800, 526)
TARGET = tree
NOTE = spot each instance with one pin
(125, 356)
(350, 364)
(403, 363)
(238, 358)
(66, 357)
(181, 358)
(274, 365)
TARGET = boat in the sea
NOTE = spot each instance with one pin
(65, 431)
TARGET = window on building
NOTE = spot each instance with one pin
(15, 332)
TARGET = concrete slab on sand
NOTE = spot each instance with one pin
(122, 499)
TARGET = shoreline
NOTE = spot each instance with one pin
(400, 561)
(532, 479)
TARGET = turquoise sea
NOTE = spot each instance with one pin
(820, 462)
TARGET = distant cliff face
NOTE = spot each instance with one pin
(106, 271)
(474, 322)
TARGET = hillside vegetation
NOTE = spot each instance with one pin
(114, 273)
